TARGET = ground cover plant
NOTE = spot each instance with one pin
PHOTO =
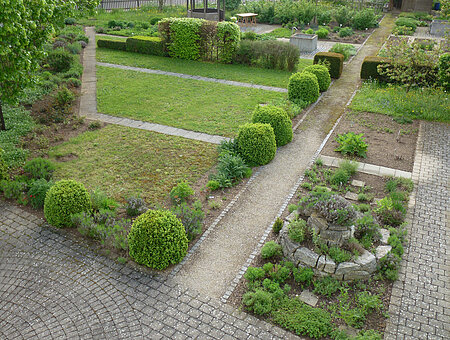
(235, 72)
(190, 104)
(152, 175)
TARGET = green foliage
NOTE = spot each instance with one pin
(3, 167)
(303, 275)
(256, 143)
(364, 18)
(369, 67)
(214, 184)
(335, 60)
(271, 249)
(345, 32)
(232, 4)
(37, 191)
(388, 266)
(396, 244)
(340, 177)
(13, 189)
(65, 198)
(112, 44)
(101, 201)
(363, 207)
(390, 211)
(343, 15)
(297, 230)
(157, 239)
(302, 319)
(145, 45)
(278, 119)
(326, 286)
(303, 86)
(254, 273)
(258, 301)
(367, 229)
(292, 208)
(322, 74)
(444, 71)
(403, 30)
(408, 22)
(346, 50)
(230, 169)
(191, 218)
(278, 225)
(181, 192)
(399, 183)
(339, 255)
(135, 206)
(59, 60)
(353, 144)
(64, 97)
(228, 36)
(322, 33)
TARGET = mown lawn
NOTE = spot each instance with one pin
(241, 73)
(126, 162)
(427, 104)
(183, 103)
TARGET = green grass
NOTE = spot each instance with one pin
(241, 73)
(183, 103)
(426, 104)
(18, 123)
(123, 161)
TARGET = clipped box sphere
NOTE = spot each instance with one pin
(303, 86)
(322, 74)
(256, 143)
(278, 120)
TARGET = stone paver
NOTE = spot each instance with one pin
(189, 76)
(54, 287)
(366, 168)
(420, 302)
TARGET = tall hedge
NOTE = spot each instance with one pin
(157, 239)
(336, 61)
(278, 120)
(228, 36)
(256, 143)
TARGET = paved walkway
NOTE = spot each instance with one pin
(54, 288)
(420, 302)
(368, 168)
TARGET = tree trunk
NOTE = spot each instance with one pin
(2, 120)
(160, 5)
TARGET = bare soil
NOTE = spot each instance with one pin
(390, 144)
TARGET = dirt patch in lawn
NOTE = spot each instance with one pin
(390, 144)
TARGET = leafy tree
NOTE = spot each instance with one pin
(25, 26)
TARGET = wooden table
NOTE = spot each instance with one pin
(247, 18)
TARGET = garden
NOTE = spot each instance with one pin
(327, 268)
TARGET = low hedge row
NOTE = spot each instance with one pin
(369, 68)
(138, 44)
(336, 61)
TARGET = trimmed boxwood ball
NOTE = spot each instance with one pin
(157, 239)
(278, 119)
(322, 74)
(65, 198)
(303, 86)
(256, 143)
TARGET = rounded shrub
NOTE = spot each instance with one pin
(322, 74)
(303, 86)
(256, 143)
(278, 120)
(65, 198)
(157, 239)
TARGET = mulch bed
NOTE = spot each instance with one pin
(390, 144)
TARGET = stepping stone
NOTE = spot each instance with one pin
(351, 196)
(381, 251)
(384, 235)
(357, 183)
(309, 298)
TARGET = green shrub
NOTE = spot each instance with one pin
(101, 201)
(369, 68)
(228, 36)
(70, 21)
(59, 60)
(249, 35)
(324, 17)
(230, 169)
(73, 82)
(112, 44)
(256, 143)
(254, 273)
(322, 33)
(3, 167)
(345, 32)
(271, 249)
(303, 275)
(36, 193)
(388, 266)
(309, 31)
(297, 230)
(74, 48)
(343, 15)
(403, 30)
(181, 192)
(303, 86)
(213, 185)
(13, 189)
(302, 319)
(277, 225)
(65, 198)
(157, 239)
(349, 166)
(444, 71)
(390, 212)
(399, 183)
(335, 60)
(345, 49)
(191, 218)
(363, 19)
(326, 286)
(339, 255)
(408, 22)
(278, 119)
(259, 301)
(145, 45)
(322, 74)
(340, 177)
(135, 206)
(396, 244)
(367, 228)
(353, 144)
(64, 97)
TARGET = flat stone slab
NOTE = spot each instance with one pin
(384, 235)
(357, 183)
(382, 251)
(351, 196)
(309, 298)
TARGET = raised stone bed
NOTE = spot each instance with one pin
(439, 27)
(304, 42)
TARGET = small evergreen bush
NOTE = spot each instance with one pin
(322, 74)
(37, 192)
(256, 143)
(181, 192)
(271, 249)
(335, 60)
(65, 198)
(303, 86)
(345, 32)
(322, 33)
(157, 239)
(278, 119)
(297, 230)
(277, 225)
(59, 60)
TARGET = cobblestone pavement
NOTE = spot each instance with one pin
(420, 302)
(54, 288)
